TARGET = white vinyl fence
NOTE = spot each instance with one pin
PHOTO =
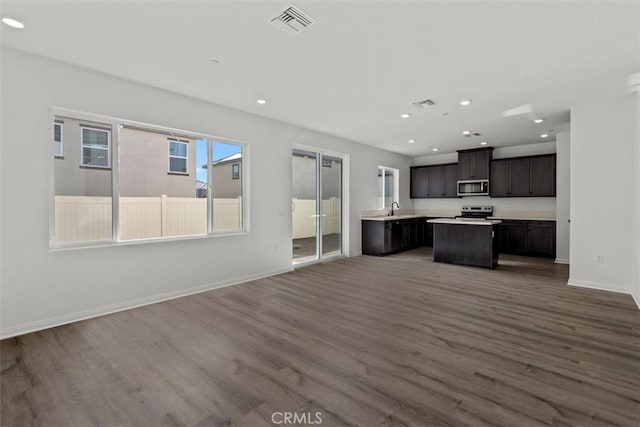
(80, 218)
(305, 217)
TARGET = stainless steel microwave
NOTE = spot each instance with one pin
(473, 187)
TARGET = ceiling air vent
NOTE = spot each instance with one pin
(425, 103)
(292, 20)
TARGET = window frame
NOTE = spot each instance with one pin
(116, 125)
(60, 155)
(235, 174)
(82, 146)
(396, 186)
(169, 156)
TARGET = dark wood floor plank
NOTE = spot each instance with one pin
(393, 341)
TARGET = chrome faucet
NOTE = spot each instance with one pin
(392, 212)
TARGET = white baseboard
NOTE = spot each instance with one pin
(595, 285)
(64, 319)
(636, 299)
(562, 261)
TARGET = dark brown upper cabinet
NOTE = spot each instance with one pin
(532, 176)
(419, 182)
(451, 180)
(543, 176)
(434, 181)
(474, 164)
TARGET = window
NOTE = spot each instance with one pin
(202, 194)
(226, 197)
(178, 156)
(95, 147)
(83, 204)
(388, 186)
(57, 139)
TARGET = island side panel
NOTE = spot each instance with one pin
(474, 245)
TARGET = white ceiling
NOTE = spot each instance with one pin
(361, 64)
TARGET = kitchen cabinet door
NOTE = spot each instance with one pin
(419, 182)
(513, 237)
(406, 235)
(543, 176)
(500, 182)
(519, 177)
(466, 161)
(450, 181)
(541, 239)
(482, 161)
(436, 182)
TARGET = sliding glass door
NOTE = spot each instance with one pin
(316, 205)
(331, 205)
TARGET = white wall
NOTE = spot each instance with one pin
(602, 188)
(636, 215)
(501, 204)
(563, 200)
(41, 288)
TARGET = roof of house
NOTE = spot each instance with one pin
(236, 156)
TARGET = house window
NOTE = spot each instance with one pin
(178, 156)
(226, 194)
(57, 139)
(83, 196)
(95, 147)
(205, 199)
(388, 186)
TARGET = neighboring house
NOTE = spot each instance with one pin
(151, 163)
(227, 176)
(82, 150)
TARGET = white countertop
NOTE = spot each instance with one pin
(464, 221)
(390, 218)
(521, 218)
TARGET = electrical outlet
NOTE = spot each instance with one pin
(598, 258)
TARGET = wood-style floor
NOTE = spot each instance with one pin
(365, 341)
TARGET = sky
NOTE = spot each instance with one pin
(220, 151)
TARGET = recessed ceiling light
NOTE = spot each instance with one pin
(411, 141)
(466, 132)
(214, 61)
(434, 149)
(261, 101)
(405, 115)
(13, 23)
(483, 143)
(544, 135)
(538, 121)
(465, 102)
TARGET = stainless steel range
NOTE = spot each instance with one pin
(476, 212)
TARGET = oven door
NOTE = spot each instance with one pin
(476, 187)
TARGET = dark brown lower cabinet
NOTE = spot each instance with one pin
(391, 236)
(533, 238)
(513, 237)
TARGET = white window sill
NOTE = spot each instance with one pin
(110, 243)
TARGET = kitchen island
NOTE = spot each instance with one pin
(466, 241)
